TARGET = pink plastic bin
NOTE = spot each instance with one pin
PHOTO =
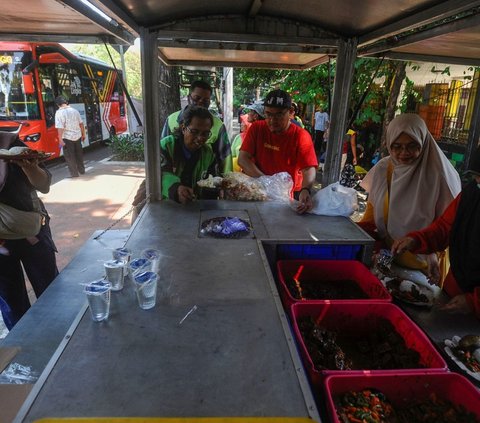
(404, 389)
(330, 270)
(351, 318)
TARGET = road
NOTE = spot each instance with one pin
(94, 201)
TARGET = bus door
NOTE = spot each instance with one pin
(46, 75)
(92, 112)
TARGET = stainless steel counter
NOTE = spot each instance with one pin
(232, 356)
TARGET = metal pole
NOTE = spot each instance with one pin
(150, 108)
(228, 100)
(124, 69)
(347, 52)
(474, 133)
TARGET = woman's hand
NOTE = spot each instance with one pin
(185, 194)
(457, 305)
(401, 245)
(433, 269)
(305, 202)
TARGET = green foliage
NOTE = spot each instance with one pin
(250, 83)
(127, 148)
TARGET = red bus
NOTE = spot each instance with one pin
(33, 74)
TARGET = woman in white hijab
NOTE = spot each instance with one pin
(410, 188)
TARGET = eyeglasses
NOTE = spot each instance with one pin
(278, 115)
(198, 134)
(199, 100)
(412, 148)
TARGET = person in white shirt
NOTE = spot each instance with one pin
(322, 121)
(71, 133)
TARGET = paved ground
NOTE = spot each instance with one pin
(80, 206)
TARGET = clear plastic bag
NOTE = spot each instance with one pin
(277, 186)
(335, 200)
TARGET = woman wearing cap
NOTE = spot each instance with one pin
(459, 229)
(186, 157)
(409, 189)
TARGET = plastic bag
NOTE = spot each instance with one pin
(241, 187)
(335, 200)
(277, 186)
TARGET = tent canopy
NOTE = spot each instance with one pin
(259, 33)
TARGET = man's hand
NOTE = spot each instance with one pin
(61, 143)
(305, 200)
(401, 245)
(457, 305)
(185, 194)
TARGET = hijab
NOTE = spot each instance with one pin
(465, 234)
(419, 192)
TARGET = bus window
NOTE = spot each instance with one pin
(69, 83)
(14, 103)
(46, 82)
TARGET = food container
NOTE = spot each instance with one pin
(318, 251)
(330, 271)
(355, 320)
(403, 390)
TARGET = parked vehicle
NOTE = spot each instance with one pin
(32, 75)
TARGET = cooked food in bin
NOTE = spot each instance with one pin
(368, 405)
(325, 289)
(372, 406)
(381, 348)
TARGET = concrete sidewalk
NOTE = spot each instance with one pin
(80, 206)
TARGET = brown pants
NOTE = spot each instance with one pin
(73, 153)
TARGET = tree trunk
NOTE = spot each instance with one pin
(398, 78)
(168, 92)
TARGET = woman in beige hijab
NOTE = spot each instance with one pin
(409, 189)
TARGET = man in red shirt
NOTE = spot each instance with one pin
(275, 145)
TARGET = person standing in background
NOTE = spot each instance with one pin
(71, 133)
(322, 121)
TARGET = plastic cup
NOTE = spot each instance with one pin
(114, 270)
(154, 256)
(146, 289)
(122, 254)
(98, 296)
(139, 265)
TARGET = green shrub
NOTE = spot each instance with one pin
(127, 147)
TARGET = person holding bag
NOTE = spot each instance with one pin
(19, 181)
(409, 189)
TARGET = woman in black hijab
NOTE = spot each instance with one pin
(459, 229)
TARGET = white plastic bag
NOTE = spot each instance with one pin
(335, 200)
